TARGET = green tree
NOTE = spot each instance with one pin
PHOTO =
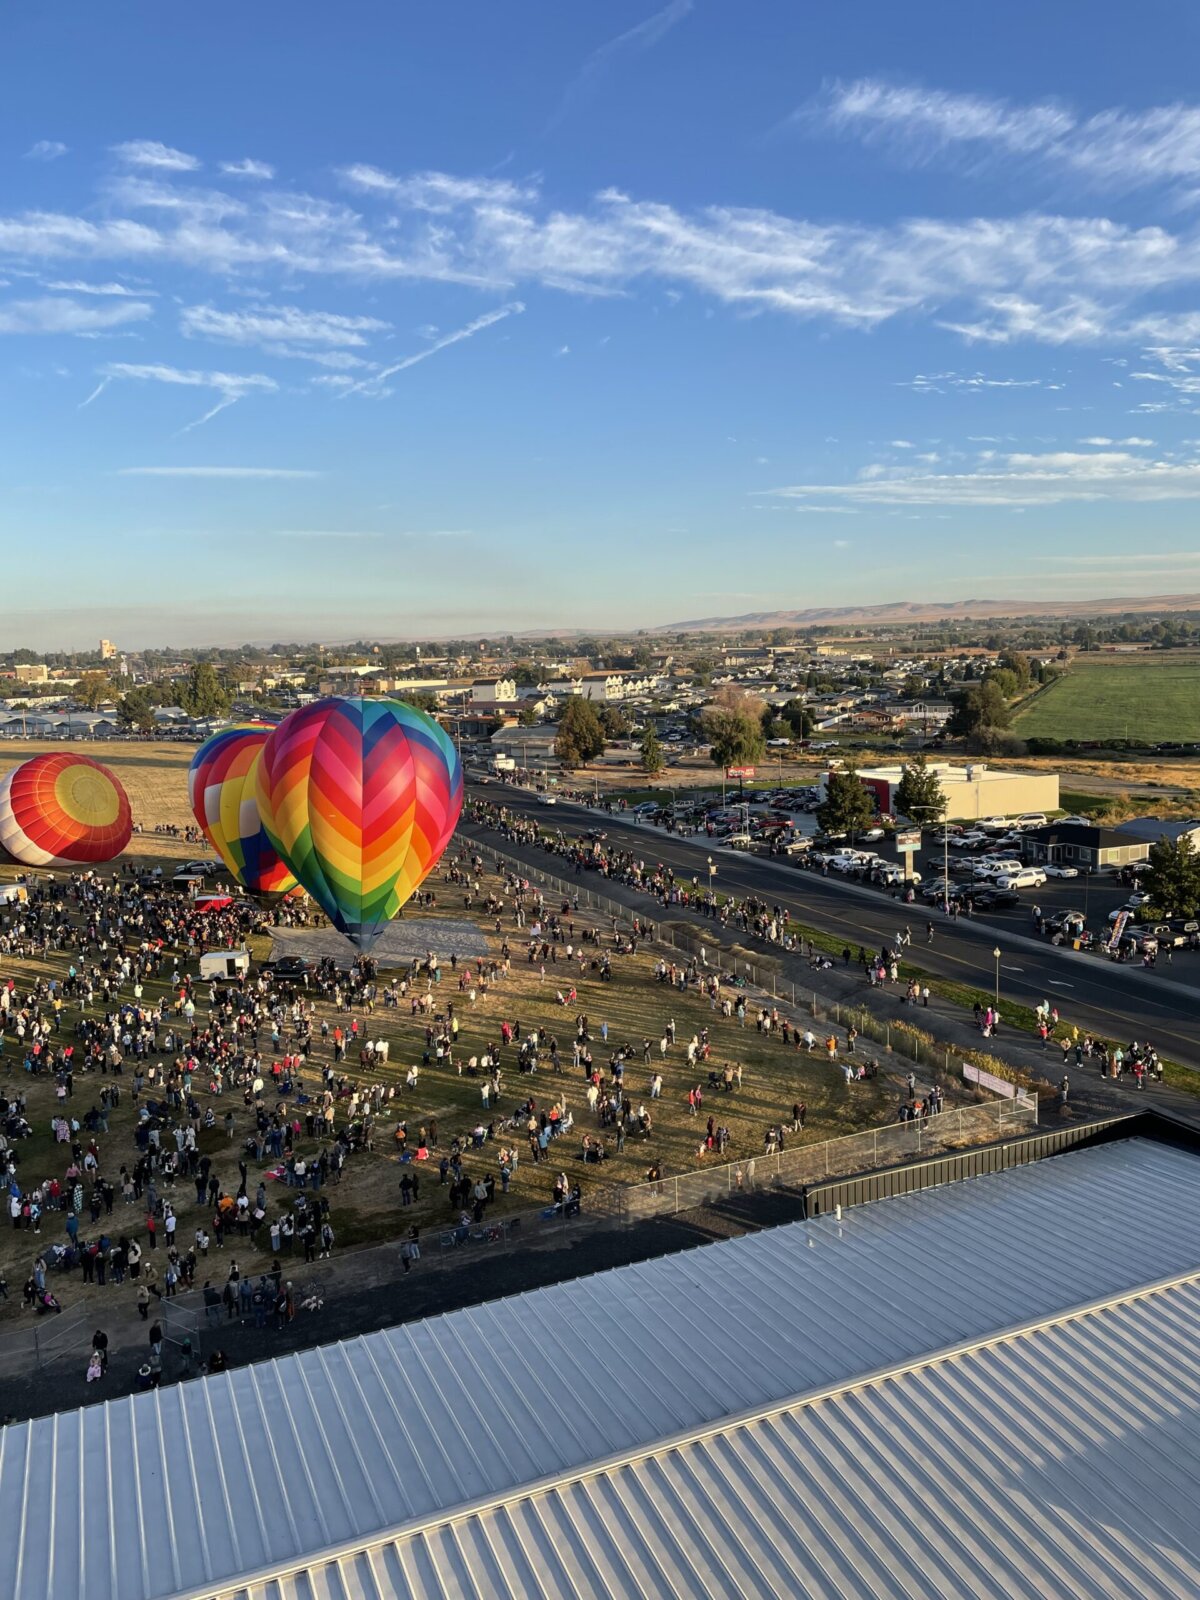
(981, 707)
(203, 694)
(1005, 681)
(527, 717)
(847, 807)
(613, 722)
(652, 756)
(1173, 878)
(736, 736)
(580, 736)
(919, 793)
(136, 709)
(93, 690)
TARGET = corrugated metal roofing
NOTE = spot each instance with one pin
(190, 1487)
(1060, 1463)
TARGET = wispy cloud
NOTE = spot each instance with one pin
(643, 36)
(1048, 279)
(1099, 441)
(46, 150)
(217, 472)
(1016, 480)
(150, 153)
(114, 290)
(488, 320)
(275, 326)
(231, 386)
(437, 192)
(260, 170)
(936, 382)
(68, 316)
(1116, 148)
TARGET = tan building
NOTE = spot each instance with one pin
(973, 791)
(32, 672)
(108, 650)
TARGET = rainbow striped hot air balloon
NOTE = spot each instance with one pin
(360, 798)
(63, 810)
(222, 792)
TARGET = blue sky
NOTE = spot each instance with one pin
(318, 322)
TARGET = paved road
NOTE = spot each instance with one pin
(1116, 1001)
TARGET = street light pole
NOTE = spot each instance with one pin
(996, 953)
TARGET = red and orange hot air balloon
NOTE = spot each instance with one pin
(360, 799)
(63, 810)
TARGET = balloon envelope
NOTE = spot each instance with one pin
(63, 810)
(222, 791)
(360, 798)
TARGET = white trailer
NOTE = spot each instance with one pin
(224, 963)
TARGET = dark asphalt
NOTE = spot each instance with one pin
(1117, 1001)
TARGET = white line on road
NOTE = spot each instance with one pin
(1014, 969)
(1060, 983)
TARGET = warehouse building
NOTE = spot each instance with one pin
(980, 1389)
(973, 791)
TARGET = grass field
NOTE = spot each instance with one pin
(630, 1008)
(1151, 698)
(153, 773)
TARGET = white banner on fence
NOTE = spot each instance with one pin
(988, 1080)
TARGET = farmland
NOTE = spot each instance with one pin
(1152, 699)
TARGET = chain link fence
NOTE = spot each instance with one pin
(835, 1158)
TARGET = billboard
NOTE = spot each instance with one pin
(910, 840)
(739, 772)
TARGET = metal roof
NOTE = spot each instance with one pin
(1059, 1462)
(193, 1487)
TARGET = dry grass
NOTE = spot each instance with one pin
(366, 1204)
(153, 773)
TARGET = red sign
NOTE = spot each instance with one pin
(739, 772)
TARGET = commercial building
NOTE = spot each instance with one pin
(972, 791)
(1078, 844)
(1151, 829)
(108, 650)
(979, 1389)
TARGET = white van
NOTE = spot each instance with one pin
(740, 841)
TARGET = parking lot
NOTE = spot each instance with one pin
(781, 826)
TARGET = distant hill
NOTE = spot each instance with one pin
(901, 611)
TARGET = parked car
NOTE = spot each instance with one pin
(1026, 878)
(1053, 870)
(995, 899)
(288, 967)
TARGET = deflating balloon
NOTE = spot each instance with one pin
(63, 810)
(222, 792)
(360, 798)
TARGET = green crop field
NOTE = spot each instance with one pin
(1149, 698)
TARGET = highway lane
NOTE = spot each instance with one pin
(1117, 1001)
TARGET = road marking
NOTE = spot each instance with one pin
(1060, 983)
(1014, 969)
